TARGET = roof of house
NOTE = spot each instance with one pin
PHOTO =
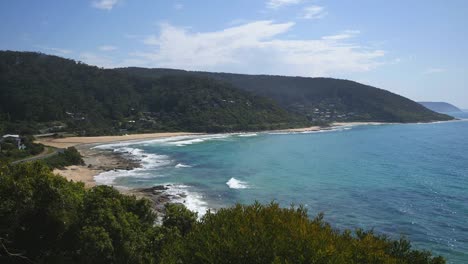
(10, 135)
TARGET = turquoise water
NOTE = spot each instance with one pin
(407, 180)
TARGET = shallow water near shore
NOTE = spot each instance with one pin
(407, 179)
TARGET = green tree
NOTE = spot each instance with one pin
(179, 217)
(47, 219)
(270, 234)
(37, 209)
(68, 157)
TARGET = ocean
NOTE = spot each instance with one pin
(399, 179)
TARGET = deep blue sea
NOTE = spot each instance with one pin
(402, 179)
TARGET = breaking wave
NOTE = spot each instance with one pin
(180, 165)
(234, 183)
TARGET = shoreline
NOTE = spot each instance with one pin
(99, 160)
(78, 141)
(96, 162)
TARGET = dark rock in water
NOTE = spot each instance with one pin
(153, 190)
(164, 199)
(158, 197)
(160, 188)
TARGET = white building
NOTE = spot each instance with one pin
(16, 137)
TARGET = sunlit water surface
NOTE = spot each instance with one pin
(407, 180)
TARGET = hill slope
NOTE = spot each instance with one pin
(320, 99)
(41, 91)
(441, 107)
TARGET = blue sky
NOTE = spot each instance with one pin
(418, 49)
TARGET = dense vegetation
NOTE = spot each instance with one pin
(67, 157)
(319, 99)
(441, 107)
(46, 219)
(42, 93)
(51, 94)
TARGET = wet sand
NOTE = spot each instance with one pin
(97, 161)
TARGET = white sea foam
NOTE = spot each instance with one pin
(109, 177)
(281, 133)
(332, 129)
(144, 142)
(248, 135)
(181, 165)
(198, 139)
(148, 161)
(192, 200)
(234, 183)
(179, 141)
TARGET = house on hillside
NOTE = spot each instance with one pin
(16, 138)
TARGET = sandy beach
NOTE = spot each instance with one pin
(301, 129)
(74, 141)
(337, 124)
(79, 174)
(332, 125)
(97, 161)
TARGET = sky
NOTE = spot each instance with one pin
(416, 48)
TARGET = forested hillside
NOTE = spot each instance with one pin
(320, 99)
(42, 93)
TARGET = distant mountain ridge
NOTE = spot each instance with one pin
(441, 107)
(319, 99)
(44, 93)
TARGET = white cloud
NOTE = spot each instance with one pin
(107, 48)
(104, 4)
(275, 4)
(237, 21)
(257, 47)
(57, 51)
(314, 12)
(178, 6)
(434, 70)
(110, 62)
(347, 34)
(94, 59)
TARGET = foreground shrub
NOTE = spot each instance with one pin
(270, 234)
(68, 157)
(177, 216)
(46, 219)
